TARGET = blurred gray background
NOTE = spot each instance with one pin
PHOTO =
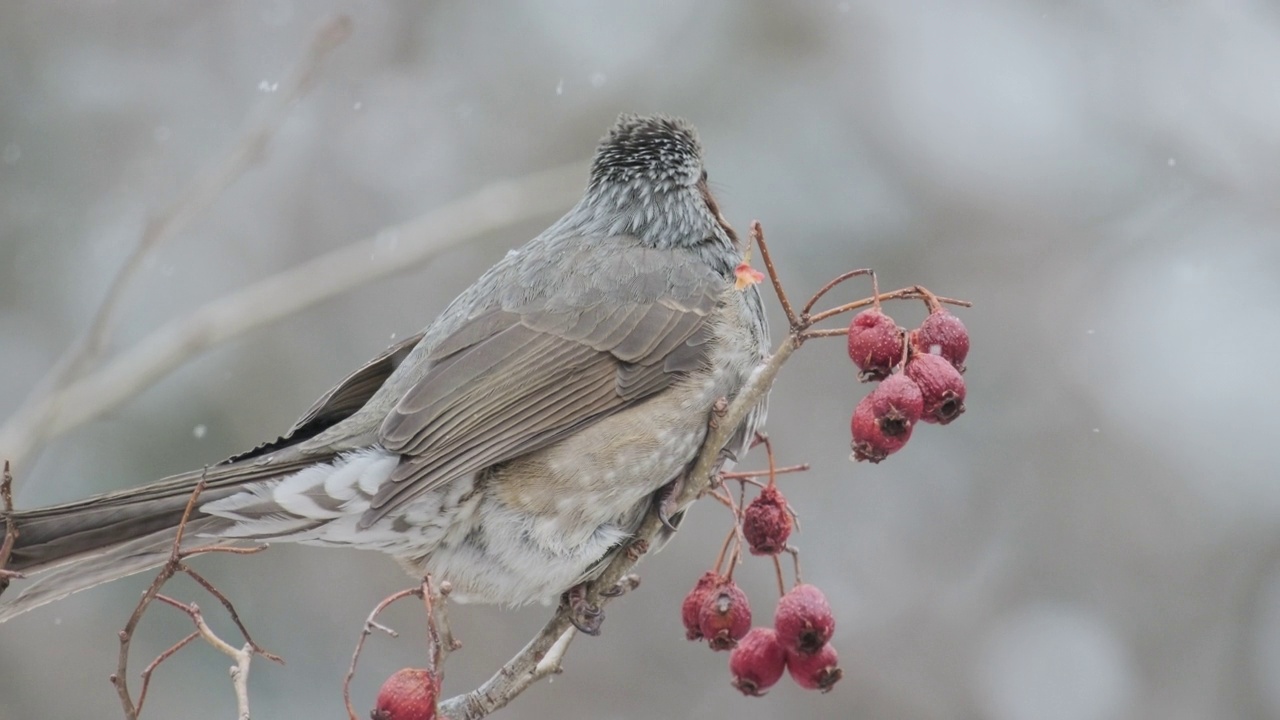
(1098, 537)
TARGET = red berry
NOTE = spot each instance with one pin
(803, 620)
(942, 387)
(693, 602)
(817, 671)
(870, 442)
(757, 662)
(897, 404)
(725, 616)
(766, 523)
(875, 344)
(942, 334)
(409, 694)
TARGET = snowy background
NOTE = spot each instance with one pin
(1098, 537)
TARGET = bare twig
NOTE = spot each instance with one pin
(174, 565)
(441, 643)
(242, 656)
(911, 293)
(746, 474)
(757, 234)
(804, 313)
(191, 202)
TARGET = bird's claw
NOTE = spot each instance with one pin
(586, 616)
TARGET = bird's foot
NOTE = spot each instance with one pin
(586, 616)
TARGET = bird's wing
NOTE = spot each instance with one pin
(341, 401)
(619, 325)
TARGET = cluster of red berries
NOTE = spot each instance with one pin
(409, 694)
(799, 641)
(717, 610)
(920, 373)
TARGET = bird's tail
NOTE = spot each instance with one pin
(67, 548)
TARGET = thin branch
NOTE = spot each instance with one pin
(912, 293)
(757, 234)
(492, 208)
(834, 282)
(368, 629)
(191, 202)
(171, 567)
(745, 474)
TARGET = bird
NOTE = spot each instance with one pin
(511, 446)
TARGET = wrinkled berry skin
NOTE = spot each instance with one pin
(766, 523)
(869, 440)
(725, 616)
(816, 671)
(897, 404)
(942, 334)
(757, 662)
(691, 608)
(803, 620)
(941, 385)
(875, 344)
(409, 694)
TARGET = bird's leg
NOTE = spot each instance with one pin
(586, 616)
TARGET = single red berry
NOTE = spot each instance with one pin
(942, 334)
(757, 662)
(409, 694)
(816, 671)
(897, 404)
(870, 442)
(875, 344)
(766, 523)
(725, 615)
(942, 387)
(803, 620)
(691, 608)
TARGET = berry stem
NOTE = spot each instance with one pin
(930, 300)
(724, 548)
(777, 571)
(838, 279)
(746, 475)
(911, 293)
(757, 234)
(768, 451)
(795, 558)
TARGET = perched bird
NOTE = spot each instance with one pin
(511, 446)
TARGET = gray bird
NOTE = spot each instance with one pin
(511, 446)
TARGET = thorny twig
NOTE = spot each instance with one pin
(174, 565)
